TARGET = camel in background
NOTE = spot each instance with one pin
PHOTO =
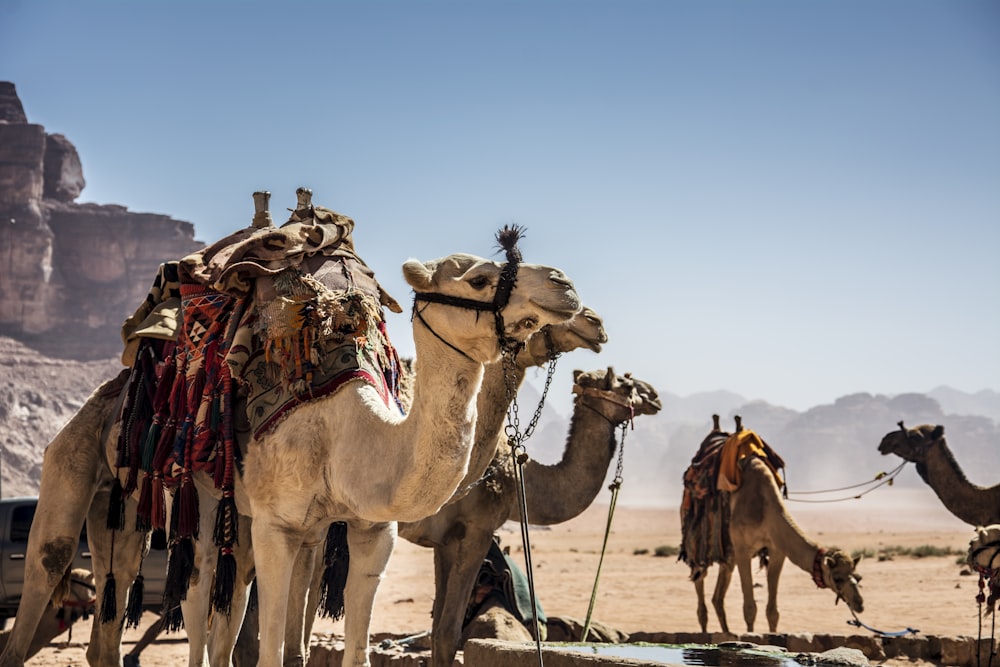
(926, 447)
(752, 520)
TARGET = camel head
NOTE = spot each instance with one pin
(911, 444)
(585, 329)
(618, 397)
(452, 295)
(837, 572)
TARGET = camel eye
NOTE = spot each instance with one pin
(479, 282)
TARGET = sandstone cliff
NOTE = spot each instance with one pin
(69, 273)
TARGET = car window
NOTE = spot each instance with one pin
(20, 524)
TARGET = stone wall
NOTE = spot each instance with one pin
(69, 273)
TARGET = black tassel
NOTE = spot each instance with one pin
(225, 581)
(337, 559)
(109, 605)
(226, 532)
(116, 507)
(173, 619)
(180, 565)
(133, 610)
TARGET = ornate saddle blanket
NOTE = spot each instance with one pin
(234, 337)
(716, 470)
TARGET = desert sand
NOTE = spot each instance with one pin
(639, 591)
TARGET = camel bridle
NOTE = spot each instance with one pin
(508, 238)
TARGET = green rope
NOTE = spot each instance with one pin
(614, 487)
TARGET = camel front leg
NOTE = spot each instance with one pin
(719, 595)
(370, 545)
(276, 548)
(746, 583)
(303, 598)
(225, 628)
(699, 591)
(195, 605)
(456, 567)
(775, 562)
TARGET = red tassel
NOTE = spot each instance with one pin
(144, 512)
(187, 521)
(159, 510)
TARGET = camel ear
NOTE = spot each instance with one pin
(418, 275)
(857, 559)
(576, 375)
(938, 432)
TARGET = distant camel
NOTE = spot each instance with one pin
(925, 446)
(758, 520)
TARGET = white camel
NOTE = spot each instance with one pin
(500, 383)
(350, 458)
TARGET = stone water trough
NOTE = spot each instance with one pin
(837, 649)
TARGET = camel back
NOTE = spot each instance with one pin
(714, 472)
(230, 340)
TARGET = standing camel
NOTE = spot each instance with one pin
(349, 457)
(926, 447)
(759, 521)
(461, 532)
(585, 329)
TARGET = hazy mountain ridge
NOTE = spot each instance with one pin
(826, 447)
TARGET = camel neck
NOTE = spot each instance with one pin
(976, 505)
(559, 492)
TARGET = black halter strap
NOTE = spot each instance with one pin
(508, 276)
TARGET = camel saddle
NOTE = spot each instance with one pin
(715, 471)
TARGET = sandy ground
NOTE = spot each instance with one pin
(641, 592)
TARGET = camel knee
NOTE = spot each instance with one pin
(57, 555)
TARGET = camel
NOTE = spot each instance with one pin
(759, 523)
(925, 446)
(71, 600)
(460, 533)
(348, 457)
(585, 329)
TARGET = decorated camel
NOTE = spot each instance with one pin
(925, 446)
(349, 456)
(461, 532)
(733, 510)
(585, 329)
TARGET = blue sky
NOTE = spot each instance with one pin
(789, 200)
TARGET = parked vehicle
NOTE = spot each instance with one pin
(16, 516)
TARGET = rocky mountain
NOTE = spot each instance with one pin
(69, 273)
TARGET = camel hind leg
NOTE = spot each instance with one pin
(774, 565)
(119, 552)
(746, 583)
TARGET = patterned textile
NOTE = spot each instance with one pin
(715, 472)
(232, 338)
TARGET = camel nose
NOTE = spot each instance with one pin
(560, 278)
